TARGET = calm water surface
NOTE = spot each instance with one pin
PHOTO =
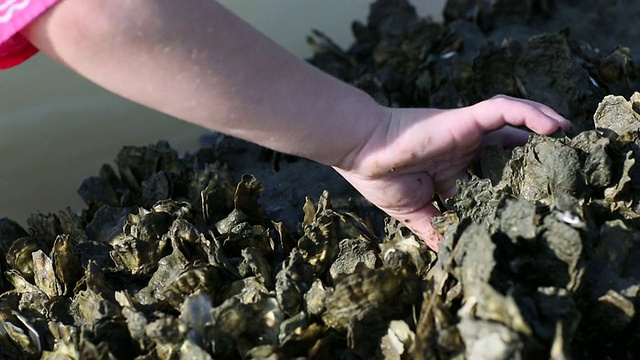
(56, 128)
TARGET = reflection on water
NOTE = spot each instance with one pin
(57, 129)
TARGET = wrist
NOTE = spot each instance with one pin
(362, 154)
(368, 130)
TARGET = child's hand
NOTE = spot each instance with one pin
(419, 153)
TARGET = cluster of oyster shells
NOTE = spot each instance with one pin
(176, 256)
(202, 272)
(545, 262)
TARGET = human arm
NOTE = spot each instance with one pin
(198, 62)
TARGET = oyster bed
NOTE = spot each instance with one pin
(181, 256)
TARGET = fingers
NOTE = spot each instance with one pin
(564, 123)
(503, 110)
(506, 137)
(405, 197)
(419, 221)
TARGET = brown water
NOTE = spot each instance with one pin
(56, 128)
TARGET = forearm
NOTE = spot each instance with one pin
(198, 62)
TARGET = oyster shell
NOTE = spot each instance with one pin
(361, 303)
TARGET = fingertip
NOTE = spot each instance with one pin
(549, 126)
(561, 124)
(428, 234)
(565, 124)
(559, 120)
(554, 124)
(419, 222)
(434, 241)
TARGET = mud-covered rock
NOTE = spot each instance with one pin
(617, 114)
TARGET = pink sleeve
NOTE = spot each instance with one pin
(15, 15)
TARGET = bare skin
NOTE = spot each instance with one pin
(424, 152)
(198, 62)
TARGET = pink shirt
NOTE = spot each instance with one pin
(15, 15)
